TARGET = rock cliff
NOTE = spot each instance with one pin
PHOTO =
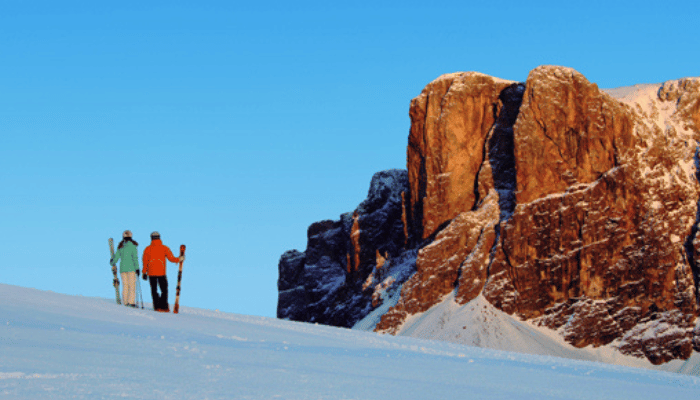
(563, 204)
(329, 283)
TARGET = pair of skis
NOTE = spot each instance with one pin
(115, 282)
(176, 308)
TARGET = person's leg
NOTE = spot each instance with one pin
(164, 292)
(130, 288)
(154, 292)
(125, 286)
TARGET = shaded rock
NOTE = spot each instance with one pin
(290, 296)
(380, 220)
(324, 284)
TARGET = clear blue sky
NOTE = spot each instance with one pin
(231, 127)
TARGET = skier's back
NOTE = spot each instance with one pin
(154, 269)
(129, 267)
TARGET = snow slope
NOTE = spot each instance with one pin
(478, 323)
(55, 346)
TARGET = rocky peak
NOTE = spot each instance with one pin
(569, 133)
(604, 205)
(450, 122)
(565, 205)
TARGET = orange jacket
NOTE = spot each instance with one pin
(154, 258)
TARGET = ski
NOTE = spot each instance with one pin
(114, 271)
(176, 309)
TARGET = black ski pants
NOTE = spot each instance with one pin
(160, 302)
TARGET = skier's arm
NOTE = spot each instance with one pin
(135, 258)
(116, 257)
(170, 255)
(146, 257)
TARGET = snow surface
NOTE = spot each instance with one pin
(632, 94)
(55, 346)
(479, 323)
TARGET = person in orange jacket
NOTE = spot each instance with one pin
(154, 257)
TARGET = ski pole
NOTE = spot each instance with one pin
(141, 295)
(138, 289)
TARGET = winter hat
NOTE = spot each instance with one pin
(127, 234)
(155, 235)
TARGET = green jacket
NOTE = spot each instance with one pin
(129, 254)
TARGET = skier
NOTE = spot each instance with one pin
(127, 252)
(154, 267)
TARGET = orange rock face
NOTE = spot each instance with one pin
(440, 264)
(450, 122)
(568, 132)
(559, 203)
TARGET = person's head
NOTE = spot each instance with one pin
(155, 236)
(127, 236)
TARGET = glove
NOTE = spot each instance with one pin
(138, 273)
(145, 277)
(182, 258)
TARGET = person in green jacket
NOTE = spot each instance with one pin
(127, 252)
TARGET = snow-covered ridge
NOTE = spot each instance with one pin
(629, 94)
(646, 99)
(658, 121)
(55, 346)
(632, 94)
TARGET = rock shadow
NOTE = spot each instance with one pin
(501, 147)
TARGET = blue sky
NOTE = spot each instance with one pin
(231, 127)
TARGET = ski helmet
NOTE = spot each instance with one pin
(127, 234)
(155, 235)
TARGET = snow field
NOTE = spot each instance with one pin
(55, 346)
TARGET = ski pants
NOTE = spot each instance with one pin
(160, 302)
(128, 288)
